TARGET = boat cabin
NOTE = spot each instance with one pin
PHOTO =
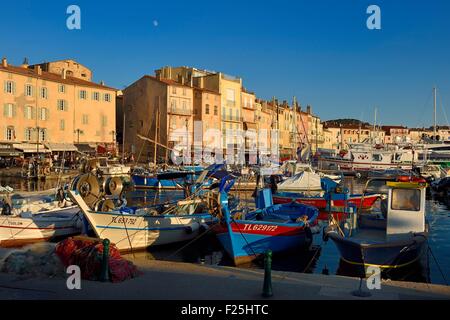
(403, 214)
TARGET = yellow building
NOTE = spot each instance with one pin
(56, 109)
(207, 106)
(160, 110)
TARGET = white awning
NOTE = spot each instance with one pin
(31, 148)
(59, 147)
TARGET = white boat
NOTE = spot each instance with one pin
(37, 221)
(368, 158)
(305, 182)
(138, 228)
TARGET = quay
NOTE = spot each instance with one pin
(163, 280)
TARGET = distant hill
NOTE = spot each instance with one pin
(346, 122)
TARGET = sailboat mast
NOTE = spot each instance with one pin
(434, 126)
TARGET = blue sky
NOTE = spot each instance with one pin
(319, 51)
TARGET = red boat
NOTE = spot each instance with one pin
(368, 200)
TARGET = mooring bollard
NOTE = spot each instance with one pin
(104, 275)
(267, 288)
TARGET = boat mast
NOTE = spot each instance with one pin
(295, 156)
(375, 124)
(434, 126)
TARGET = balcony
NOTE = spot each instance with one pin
(180, 111)
(232, 118)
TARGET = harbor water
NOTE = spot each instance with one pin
(322, 257)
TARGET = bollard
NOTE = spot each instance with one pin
(104, 275)
(267, 287)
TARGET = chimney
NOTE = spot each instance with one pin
(64, 74)
(102, 83)
(39, 70)
(180, 79)
(159, 76)
(308, 110)
(4, 63)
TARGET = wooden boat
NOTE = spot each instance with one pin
(169, 180)
(133, 228)
(359, 200)
(34, 221)
(392, 239)
(245, 236)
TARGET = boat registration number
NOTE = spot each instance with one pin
(123, 220)
(259, 227)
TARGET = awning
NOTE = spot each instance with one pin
(60, 147)
(85, 148)
(249, 126)
(8, 150)
(31, 148)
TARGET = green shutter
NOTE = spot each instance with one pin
(14, 110)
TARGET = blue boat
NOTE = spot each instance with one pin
(169, 180)
(246, 236)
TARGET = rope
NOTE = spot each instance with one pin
(437, 263)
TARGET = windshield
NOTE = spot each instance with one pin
(406, 199)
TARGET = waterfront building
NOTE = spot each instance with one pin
(207, 106)
(160, 110)
(56, 110)
(396, 134)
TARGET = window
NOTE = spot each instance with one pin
(9, 110)
(107, 97)
(43, 134)
(173, 104)
(10, 87)
(207, 109)
(29, 134)
(174, 90)
(10, 134)
(61, 88)
(62, 125)
(62, 105)
(216, 110)
(29, 112)
(96, 96)
(406, 199)
(43, 115)
(231, 95)
(44, 93)
(184, 91)
(104, 121)
(29, 90)
(184, 105)
(85, 119)
(83, 95)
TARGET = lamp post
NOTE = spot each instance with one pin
(113, 133)
(38, 129)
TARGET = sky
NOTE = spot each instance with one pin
(319, 51)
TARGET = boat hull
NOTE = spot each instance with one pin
(395, 254)
(134, 232)
(367, 201)
(246, 241)
(16, 231)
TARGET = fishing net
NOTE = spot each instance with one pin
(88, 255)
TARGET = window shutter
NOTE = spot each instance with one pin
(13, 84)
(33, 113)
(5, 86)
(14, 110)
